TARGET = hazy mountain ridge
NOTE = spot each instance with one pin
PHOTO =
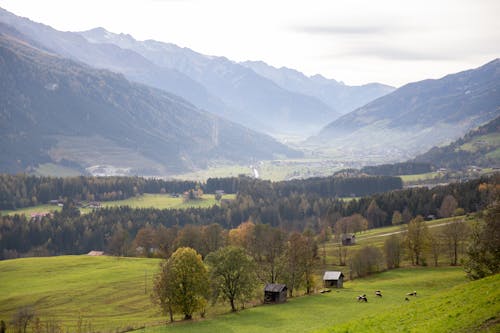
(256, 101)
(54, 109)
(336, 94)
(421, 115)
(134, 66)
(479, 147)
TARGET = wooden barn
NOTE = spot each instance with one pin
(275, 293)
(333, 279)
(348, 239)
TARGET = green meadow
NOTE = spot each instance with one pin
(160, 201)
(113, 294)
(438, 290)
(109, 293)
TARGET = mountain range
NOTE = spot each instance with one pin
(419, 115)
(479, 147)
(224, 87)
(53, 109)
(97, 99)
(337, 95)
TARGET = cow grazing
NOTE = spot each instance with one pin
(378, 293)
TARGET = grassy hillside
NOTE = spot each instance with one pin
(470, 307)
(108, 292)
(322, 311)
(160, 201)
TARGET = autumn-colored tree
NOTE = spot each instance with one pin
(266, 247)
(454, 234)
(242, 235)
(144, 240)
(483, 253)
(416, 239)
(232, 275)
(397, 218)
(182, 284)
(367, 260)
(392, 251)
(375, 215)
(212, 237)
(448, 206)
(164, 240)
(435, 247)
(190, 236)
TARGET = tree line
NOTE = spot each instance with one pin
(69, 232)
(18, 191)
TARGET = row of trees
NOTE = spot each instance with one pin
(252, 255)
(17, 191)
(68, 232)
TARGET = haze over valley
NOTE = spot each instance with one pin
(249, 166)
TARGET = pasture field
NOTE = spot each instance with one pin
(113, 294)
(339, 308)
(419, 177)
(160, 201)
(107, 292)
(469, 307)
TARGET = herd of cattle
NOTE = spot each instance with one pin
(378, 293)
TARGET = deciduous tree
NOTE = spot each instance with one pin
(416, 239)
(392, 251)
(182, 284)
(232, 275)
(483, 253)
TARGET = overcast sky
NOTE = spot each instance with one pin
(354, 41)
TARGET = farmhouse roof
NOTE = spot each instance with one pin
(275, 287)
(332, 275)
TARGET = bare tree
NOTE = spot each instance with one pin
(448, 206)
(22, 318)
(392, 251)
(416, 239)
(454, 234)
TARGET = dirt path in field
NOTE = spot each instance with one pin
(402, 231)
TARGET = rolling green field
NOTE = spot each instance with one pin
(110, 294)
(160, 201)
(323, 312)
(469, 307)
(419, 177)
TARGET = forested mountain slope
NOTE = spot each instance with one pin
(54, 109)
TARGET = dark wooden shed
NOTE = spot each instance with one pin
(348, 239)
(333, 279)
(275, 293)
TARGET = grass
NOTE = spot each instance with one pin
(163, 201)
(418, 177)
(469, 307)
(321, 311)
(30, 210)
(275, 170)
(109, 292)
(54, 170)
(489, 140)
(159, 201)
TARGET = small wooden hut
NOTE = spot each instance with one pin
(333, 279)
(348, 239)
(275, 293)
